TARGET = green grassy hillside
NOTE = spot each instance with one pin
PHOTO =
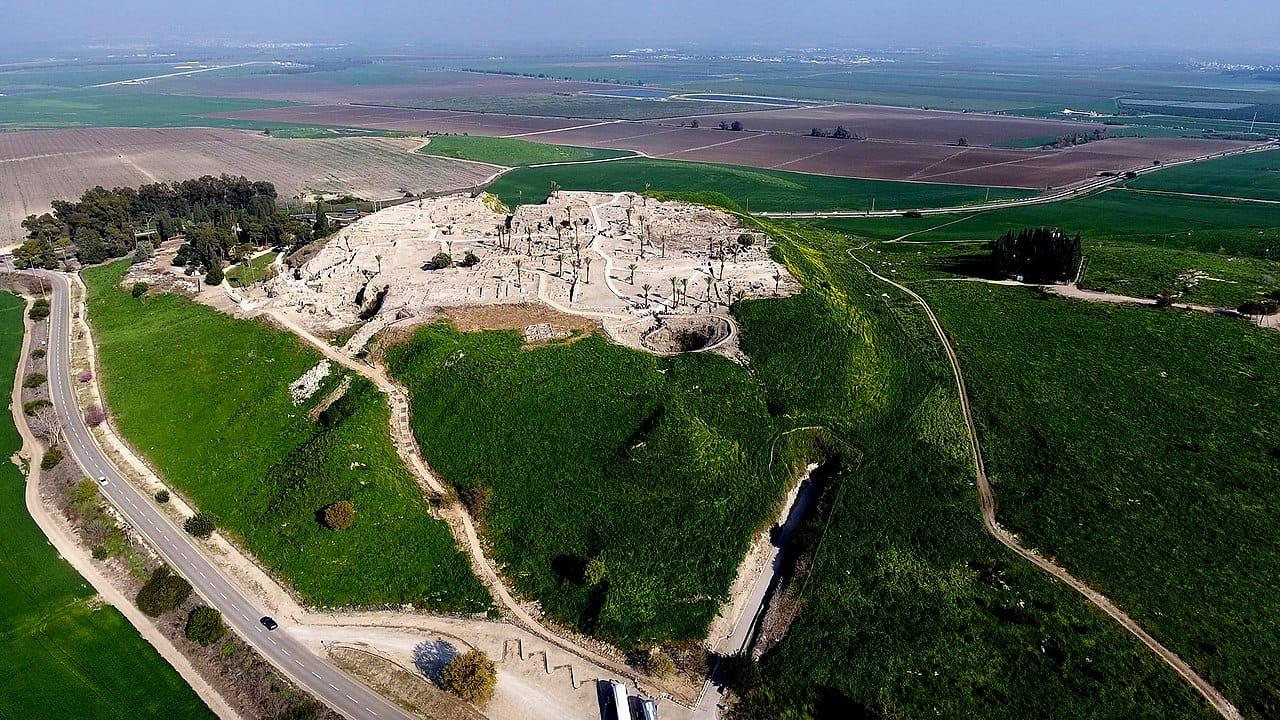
(204, 396)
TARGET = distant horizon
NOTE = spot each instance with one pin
(1235, 28)
(285, 47)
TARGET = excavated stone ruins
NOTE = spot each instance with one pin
(656, 276)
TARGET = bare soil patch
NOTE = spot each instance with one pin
(538, 323)
(406, 119)
(879, 122)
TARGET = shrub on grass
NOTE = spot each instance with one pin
(39, 310)
(38, 353)
(595, 573)
(204, 626)
(339, 515)
(35, 380)
(162, 496)
(471, 676)
(51, 458)
(162, 592)
(139, 289)
(200, 525)
(660, 665)
(35, 406)
(99, 552)
(476, 498)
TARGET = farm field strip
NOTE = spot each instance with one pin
(879, 160)
(35, 173)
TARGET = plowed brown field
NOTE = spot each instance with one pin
(39, 167)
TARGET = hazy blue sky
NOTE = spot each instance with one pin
(1229, 24)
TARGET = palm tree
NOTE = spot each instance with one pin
(632, 268)
(646, 289)
(674, 299)
(554, 187)
(560, 260)
(777, 281)
(709, 280)
(684, 288)
(519, 276)
(587, 280)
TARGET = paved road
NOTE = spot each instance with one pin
(183, 552)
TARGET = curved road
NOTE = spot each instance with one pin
(987, 501)
(183, 552)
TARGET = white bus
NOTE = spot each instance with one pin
(650, 709)
(620, 709)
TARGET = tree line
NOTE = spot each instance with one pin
(222, 218)
(1036, 255)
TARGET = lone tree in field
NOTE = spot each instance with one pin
(200, 525)
(204, 626)
(339, 515)
(1038, 255)
(441, 261)
(471, 676)
(95, 416)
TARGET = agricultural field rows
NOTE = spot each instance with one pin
(63, 652)
(43, 166)
(1256, 175)
(512, 152)
(749, 187)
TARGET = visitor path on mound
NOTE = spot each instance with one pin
(987, 504)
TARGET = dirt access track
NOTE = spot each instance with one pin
(908, 145)
(38, 167)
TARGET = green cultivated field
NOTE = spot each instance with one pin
(204, 397)
(771, 190)
(62, 653)
(1136, 243)
(1141, 448)
(123, 108)
(512, 152)
(1256, 175)
(658, 468)
(1115, 216)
